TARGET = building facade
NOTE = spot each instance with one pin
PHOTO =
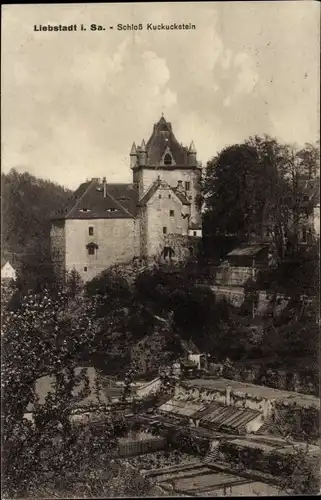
(155, 217)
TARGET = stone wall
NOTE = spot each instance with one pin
(184, 246)
(147, 176)
(58, 248)
(234, 276)
(117, 240)
(227, 397)
(158, 214)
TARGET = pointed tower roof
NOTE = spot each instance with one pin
(162, 138)
(192, 148)
(143, 146)
(133, 150)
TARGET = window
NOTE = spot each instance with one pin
(304, 235)
(168, 159)
(91, 231)
(194, 233)
(164, 230)
(187, 186)
(85, 268)
(91, 248)
(171, 213)
(169, 196)
(160, 196)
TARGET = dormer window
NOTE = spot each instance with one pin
(112, 210)
(168, 160)
(84, 210)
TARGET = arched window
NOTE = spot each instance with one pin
(92, 248)
(168, 160)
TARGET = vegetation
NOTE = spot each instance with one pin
(258, 189)
(262, 190)
(295, 471)
(27, 203)
(128, 321)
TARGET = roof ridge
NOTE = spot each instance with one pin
(79, 200)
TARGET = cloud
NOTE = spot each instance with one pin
(73, 105)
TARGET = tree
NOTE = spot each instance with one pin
(258, 189)
(27, 203)
(229, 180)
(45, 336)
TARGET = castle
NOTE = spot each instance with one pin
(155, 217)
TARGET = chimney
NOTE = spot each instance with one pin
(105, 187)
(180, 187)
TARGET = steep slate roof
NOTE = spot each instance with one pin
(155, 186)
(161, 138)
(181, 196)
(120, 202)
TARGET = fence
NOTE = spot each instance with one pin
(137, 447)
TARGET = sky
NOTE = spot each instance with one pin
(74, 102)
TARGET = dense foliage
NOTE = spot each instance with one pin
(27, 203)
(257, 189)
(296, 472)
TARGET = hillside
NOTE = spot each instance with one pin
(27, 203)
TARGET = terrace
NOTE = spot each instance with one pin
(198, 479)
(256, 391)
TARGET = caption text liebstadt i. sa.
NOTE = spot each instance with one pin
(118, 27)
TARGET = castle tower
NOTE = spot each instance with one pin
(164, 157)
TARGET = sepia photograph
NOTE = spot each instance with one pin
(160, 231)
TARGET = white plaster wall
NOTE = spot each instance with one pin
(117, 239)
(158, 216)
(8, 272)
(172, 176)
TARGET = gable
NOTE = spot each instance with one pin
(158, 186)
(7, 271)
(168, 195)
